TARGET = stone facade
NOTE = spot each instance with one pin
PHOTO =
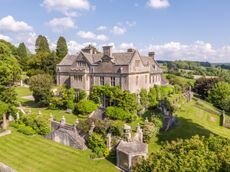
(129, 70)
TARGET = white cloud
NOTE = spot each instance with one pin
(6, 38)
(101, 28)
(67, 6)
(9, 24)
(118, 30)
(92, 36)
(125, 46)
(61, 24)
(131, 23)
(198, 50)
(157, 4)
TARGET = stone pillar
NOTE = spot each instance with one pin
(63, 121)
(39, 112)
(17, 116)
(139, 134)
(91, 128)
(51, 120)
(127, 129)
(11, 118)
(109, 139)
(223, 118)
(130, 161)
(4, 125)
(75, 125)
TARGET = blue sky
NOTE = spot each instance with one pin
(174, 29)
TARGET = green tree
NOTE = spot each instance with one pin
(41, 85)
(61, 49)
(43, 62)
(41, 44)
(10, 71)
(144, 99)
(152, 96)
(195, 154)
(23, 55)
(3, 109)
(219, 93)
(203, 85)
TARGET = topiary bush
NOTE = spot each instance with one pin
(85, 107)
(117, 113)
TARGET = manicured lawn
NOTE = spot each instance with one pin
(36, 154)
(196, 117)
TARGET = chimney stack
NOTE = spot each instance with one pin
(152, 54)
(130, 50)
(87, 50)
(107, 51)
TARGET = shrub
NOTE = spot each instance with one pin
(117, 113)
(85, 107)
(97, 144)
(149, 130)
(55, 103)
(27, 130)
(39, 124)
(81, 95)
(116, 128)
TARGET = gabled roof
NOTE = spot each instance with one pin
(68, 59)
(120, 58)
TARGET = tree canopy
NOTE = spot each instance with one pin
(22, 55)
(61, 49)
(41, 44)
(41, 85)
(195, 154)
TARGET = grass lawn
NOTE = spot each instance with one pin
(196, 117)
(36, 154)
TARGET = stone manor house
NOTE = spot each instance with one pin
(129, 70)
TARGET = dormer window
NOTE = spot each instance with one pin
(80, 63)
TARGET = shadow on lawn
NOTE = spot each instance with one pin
(31, 104)
(184, 129)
